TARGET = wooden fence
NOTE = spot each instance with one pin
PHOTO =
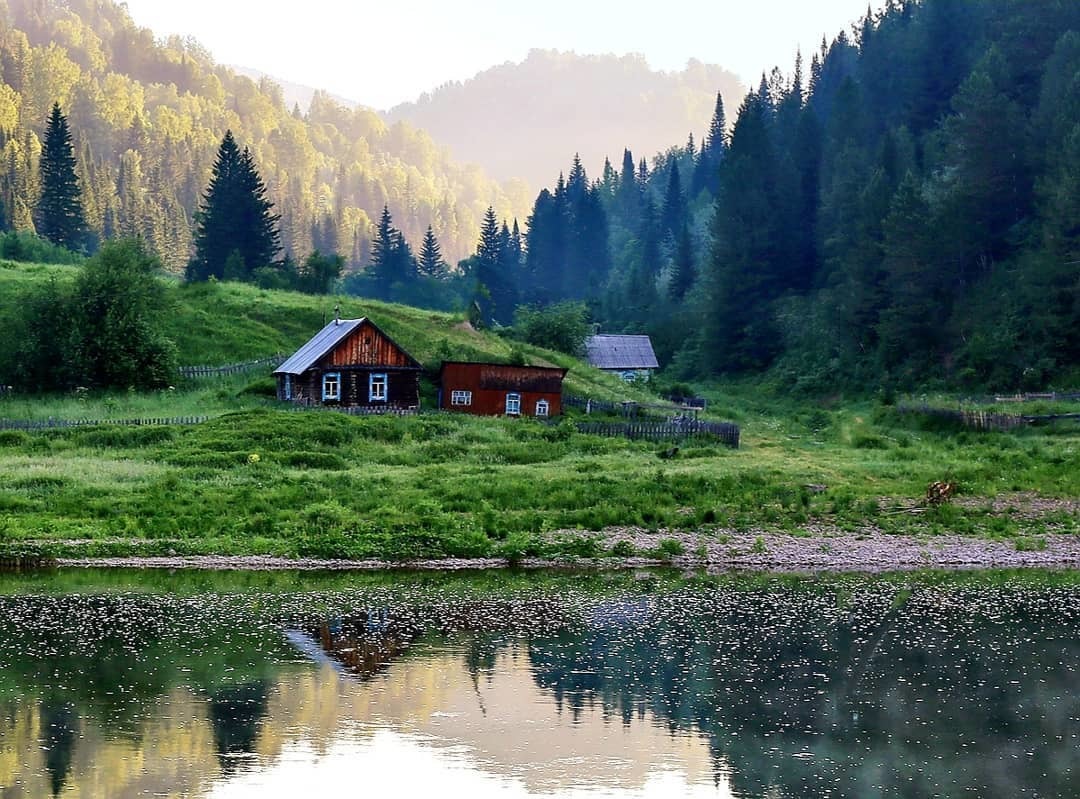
(57, 424)
(195, 372)
(1053, 396)
(628, 408)
(674, 430)
(987, 420)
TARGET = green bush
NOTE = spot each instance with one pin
(562, 327)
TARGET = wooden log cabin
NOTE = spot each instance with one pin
(492, 389)
(351, 363)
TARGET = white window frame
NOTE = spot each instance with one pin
(543, 408)
(460, 398)
(378, 379)
(331, 379)
(513, 404)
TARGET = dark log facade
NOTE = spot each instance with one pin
(490, 389)
(351, 363)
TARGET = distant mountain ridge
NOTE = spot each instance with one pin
(295, 94)
(528, 119)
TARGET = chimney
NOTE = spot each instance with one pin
(337, 314)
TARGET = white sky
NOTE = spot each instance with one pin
(385, 52)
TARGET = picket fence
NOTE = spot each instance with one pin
(196, 372)
(59, 424)
(673, 430)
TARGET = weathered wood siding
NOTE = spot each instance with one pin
(490, 383)
(367, 346)
(366, 351)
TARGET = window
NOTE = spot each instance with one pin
(331, 386)
(377, 388)
(513, 404)
(461, 398)
(542, 408)
(287, 391)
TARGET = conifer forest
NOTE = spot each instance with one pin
(896, 209)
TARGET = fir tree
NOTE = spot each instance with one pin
(59, 212)
(674, 212)
(431, 262)
(235, 224)
(496, 293)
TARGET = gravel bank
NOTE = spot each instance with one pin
(713, 552)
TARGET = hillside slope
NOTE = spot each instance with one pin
(220, 323)
(554, 104)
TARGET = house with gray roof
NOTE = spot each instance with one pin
(631, 357)
(351, 363)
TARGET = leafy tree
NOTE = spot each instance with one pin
(116, 321)
(562, 327)
(319, 272)
(59, 211)
(236, 226)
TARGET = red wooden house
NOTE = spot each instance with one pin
(493, 389)
(351, 363)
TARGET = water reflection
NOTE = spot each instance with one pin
(907, 686)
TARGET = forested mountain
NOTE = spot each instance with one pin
(525, 120)
(904, 210)
(294, 94)
(147, 116)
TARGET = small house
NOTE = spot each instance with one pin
(630, 357)
(351, 363)
(493, 389)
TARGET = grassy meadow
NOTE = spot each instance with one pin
(259, 479)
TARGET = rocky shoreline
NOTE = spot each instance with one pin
(869, 552)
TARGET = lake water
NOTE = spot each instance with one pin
(140, 684)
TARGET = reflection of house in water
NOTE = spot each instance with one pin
(362, 645)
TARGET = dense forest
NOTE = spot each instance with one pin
(147, 117)
(537, 112)
(902, 211)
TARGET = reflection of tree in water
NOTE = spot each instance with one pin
(235, 714)
(58, 731)
(810, 694)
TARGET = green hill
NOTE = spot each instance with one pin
(222, 323)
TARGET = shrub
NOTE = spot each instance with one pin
(562, 327)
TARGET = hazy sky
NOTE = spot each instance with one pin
(383, 53)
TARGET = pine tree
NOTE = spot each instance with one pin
(683, 274)
(497, 293)
(59, 212)
(707, 170)
(431, 262)
(628, 195)
(235, 224)
(674, 213)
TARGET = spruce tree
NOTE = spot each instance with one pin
(431, 261)
(496, 290)
(236, 224)
(59, 212)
